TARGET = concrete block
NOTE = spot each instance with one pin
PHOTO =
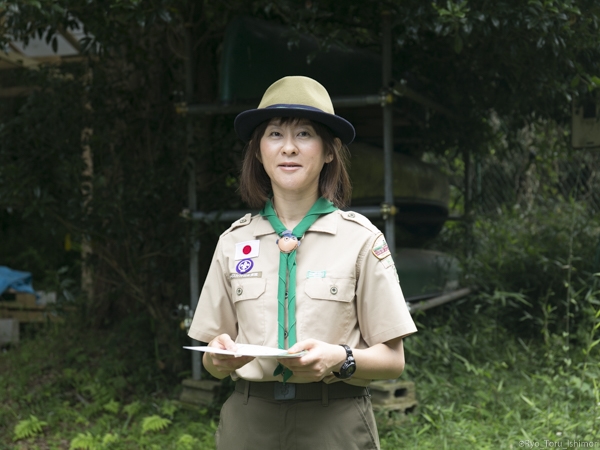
(392, 392)
(393, 399)
(199, 392)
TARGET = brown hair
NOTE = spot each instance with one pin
(334, 181)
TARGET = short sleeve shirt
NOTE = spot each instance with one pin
(347, 289)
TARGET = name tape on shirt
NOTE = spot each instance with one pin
(380, 248)
(316, 274)
(245, 275)
(247, 249)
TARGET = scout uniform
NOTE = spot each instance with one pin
(347, 291)
(339, 286)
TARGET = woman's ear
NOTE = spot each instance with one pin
(337, 145)
(258, 156)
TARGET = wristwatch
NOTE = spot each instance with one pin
(349, 366)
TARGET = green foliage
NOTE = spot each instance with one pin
(517, 362)
(112, 407)
(154, 423)
(169, 409)
(29, 428)
(63, 375)
(132, 409)
(527, 254)
(187, 442)
(520, 59)
(478, 385)
(88, 441)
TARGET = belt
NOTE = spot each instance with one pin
(274, 390)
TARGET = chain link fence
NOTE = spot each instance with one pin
(522, 177)
(534, 166)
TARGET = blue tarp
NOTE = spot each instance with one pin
(16, 280)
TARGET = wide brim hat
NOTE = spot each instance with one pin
(295, 97)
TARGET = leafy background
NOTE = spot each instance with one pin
(515, 362)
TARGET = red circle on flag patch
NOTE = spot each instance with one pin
(247, 249)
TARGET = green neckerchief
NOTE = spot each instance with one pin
(287, 271)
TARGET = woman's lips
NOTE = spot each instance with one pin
(289, 166)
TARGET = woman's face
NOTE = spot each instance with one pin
(293, 155)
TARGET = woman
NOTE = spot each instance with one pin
(303, 276)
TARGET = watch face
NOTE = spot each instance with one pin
(348, 369)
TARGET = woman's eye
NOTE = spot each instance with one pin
(304, 134)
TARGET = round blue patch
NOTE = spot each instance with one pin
(244, 266)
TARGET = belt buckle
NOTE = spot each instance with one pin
(284, 391)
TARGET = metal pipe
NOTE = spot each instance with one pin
(188, 108)
(372, 212)
(221, 216)
(356, 101)
(468, 203)
(388, 128)
(440, 300)
(401, 90)
(192, 199)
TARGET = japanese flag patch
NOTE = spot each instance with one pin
(380, 248)
(247, 249)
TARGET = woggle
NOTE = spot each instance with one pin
(288, 242)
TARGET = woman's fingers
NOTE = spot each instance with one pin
(322, 358)
(227, 362)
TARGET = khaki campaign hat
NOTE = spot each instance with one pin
(295, 97)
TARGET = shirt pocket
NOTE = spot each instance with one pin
(330, 313)
(336, 289)
(249, 301)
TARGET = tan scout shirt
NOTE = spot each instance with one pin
(347, 289)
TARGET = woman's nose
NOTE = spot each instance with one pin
(289, 147)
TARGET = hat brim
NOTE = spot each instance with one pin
(246, 122)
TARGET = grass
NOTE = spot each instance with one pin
(478, 386)
(506, 397)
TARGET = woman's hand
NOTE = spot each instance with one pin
(322, 359)
(383, 361)
(222, 365)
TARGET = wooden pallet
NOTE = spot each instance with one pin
(23, 307)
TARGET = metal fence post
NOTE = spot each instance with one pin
(192, 200)
(388, 129)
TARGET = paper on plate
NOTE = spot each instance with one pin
(258, 351)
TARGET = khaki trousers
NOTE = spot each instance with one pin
(254, 423)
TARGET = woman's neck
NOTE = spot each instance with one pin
(291, 209)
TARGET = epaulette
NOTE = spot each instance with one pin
(361, 220)
(242, 222)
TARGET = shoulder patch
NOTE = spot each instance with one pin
(359, 219)
(380, 248)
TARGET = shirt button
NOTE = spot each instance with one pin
(351, 215)
(242, 220)
(333, 290)
(239, 291)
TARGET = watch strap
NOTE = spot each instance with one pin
(348, 364)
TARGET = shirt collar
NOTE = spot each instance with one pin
(324, 224)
